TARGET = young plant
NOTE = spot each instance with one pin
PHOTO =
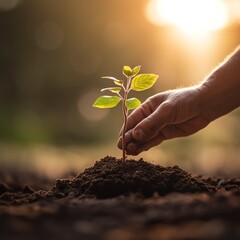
(134, 81)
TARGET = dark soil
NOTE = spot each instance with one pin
(111, 178)
(122, 200)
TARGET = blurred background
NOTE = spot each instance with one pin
(53, 54)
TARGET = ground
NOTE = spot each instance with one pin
(116, 200)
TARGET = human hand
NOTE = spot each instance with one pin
(164, 116)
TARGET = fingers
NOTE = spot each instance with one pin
(135, 117)
(128, 138)
(134, 148)
(164, 116)
(139, 114)
(149, 132)
(144, 111)
(146, 122)
(168, 132)
(149, 127)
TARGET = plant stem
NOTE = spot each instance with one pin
(125, 118)
(124, 129)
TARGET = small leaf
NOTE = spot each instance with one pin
(116, 81)
(132, 103)
(112, 89)
(107, 102)
(111, 78)
(119, 82)
(143, 81)
(127, 71)
(136, 70)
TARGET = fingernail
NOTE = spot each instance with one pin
(138, 134)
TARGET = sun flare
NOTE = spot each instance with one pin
(192, 16)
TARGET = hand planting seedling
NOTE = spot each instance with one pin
(134, 81)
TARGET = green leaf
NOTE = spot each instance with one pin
(127, 71)
(116, 81)
(143, 81)
(132, 103)
(136, 70)
(112, 89)
(119, 82)
(111, 78)
(107, 102)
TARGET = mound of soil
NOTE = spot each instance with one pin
(184, 207)
(111, 177)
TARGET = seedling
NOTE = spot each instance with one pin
(134, 81)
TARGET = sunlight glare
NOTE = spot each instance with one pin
(192, 16)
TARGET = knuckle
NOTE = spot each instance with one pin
(152, 103)
(151, 126)
(167, 107)
(146, 108)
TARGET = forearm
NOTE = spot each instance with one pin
(220, 92)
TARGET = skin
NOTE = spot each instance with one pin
(182, 112)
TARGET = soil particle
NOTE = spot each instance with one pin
(28, 189)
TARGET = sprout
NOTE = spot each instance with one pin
(134, 81)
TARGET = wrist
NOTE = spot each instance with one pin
(219, 94)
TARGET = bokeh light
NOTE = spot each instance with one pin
(6, 5)
(87, 111)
